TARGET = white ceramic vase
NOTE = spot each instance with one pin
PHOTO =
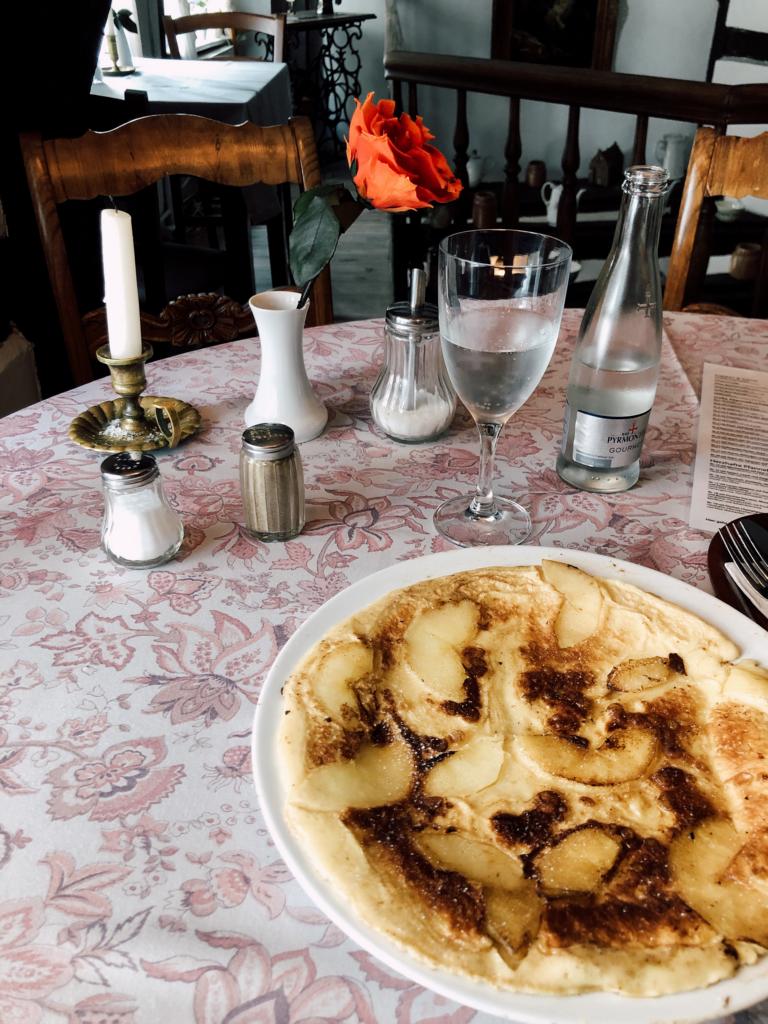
(284, 394)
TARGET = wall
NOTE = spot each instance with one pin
(655, 37)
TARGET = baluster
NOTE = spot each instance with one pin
(397, 94)
(641, 138)
(566, 211)
(461, 137)
(413, 99)
(510, 203)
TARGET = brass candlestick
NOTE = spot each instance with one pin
(112, 51)
(129, 379)
(114, 57)
(131, 422)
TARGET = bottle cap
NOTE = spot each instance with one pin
(129, 469)
(268, 442)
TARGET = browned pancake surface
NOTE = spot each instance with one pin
(538, 778)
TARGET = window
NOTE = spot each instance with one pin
(207, 39)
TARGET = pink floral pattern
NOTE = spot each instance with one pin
(138, 882)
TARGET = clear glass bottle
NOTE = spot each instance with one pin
(140, 529)
(272, 482)
(616, 362)
(413, 399)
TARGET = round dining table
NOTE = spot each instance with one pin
(138, 882)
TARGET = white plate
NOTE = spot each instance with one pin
(748, 986)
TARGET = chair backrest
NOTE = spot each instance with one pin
(139, 154)
(719, 165)
(732, 43)
(272, 25)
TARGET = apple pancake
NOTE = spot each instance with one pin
(545, 780)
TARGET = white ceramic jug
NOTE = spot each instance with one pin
(284, 393)
(476, 166)
(672, 153)
(550, 196)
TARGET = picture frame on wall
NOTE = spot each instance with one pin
(569, 33)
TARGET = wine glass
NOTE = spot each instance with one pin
(500, 300)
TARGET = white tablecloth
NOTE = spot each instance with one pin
(226, 90)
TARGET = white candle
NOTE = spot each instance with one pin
(110, 24)
(121, 293)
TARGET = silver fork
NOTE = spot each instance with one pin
(744, 552)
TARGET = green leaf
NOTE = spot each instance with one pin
(313, 240)
(328, 192)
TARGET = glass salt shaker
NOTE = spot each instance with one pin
(140, 529)
(413, 399)
(272, 482)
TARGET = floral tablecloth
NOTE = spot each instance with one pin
(137, 881)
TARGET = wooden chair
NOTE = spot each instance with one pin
(139, 154)
(732, 43)
(272, 25)
(731, 165)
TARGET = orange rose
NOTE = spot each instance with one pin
(397, 169)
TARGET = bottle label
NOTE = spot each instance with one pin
(607, 442)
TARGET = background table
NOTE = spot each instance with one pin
(226, 90)
(137, 881)
(325, 71)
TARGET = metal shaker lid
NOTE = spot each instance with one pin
(416, 316)
(127, 469)
(268, 441)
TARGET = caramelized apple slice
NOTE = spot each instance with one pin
(468, 770)
(748, 681)
(578, 862)
(377, 775)
(699, 861)
(434, 641)
(625, 755)
(338, 670)
(644, 673)
(477, 861)
(579, 614)
(512, 920)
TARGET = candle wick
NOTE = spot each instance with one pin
(112, 200)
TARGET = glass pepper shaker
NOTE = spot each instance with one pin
(140, 529)
(413, 399)
(272, 482)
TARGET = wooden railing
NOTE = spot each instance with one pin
(641, 96)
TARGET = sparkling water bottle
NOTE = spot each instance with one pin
(616, 363)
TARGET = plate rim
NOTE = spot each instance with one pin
(747, 987)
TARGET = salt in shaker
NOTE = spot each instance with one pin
(413, 399)
(140, 529)
(271, 482)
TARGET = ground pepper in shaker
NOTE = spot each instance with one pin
(272, 482)
(140, 529)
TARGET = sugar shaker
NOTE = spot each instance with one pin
(413, 399)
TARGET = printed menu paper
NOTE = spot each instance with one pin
(730, 475)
